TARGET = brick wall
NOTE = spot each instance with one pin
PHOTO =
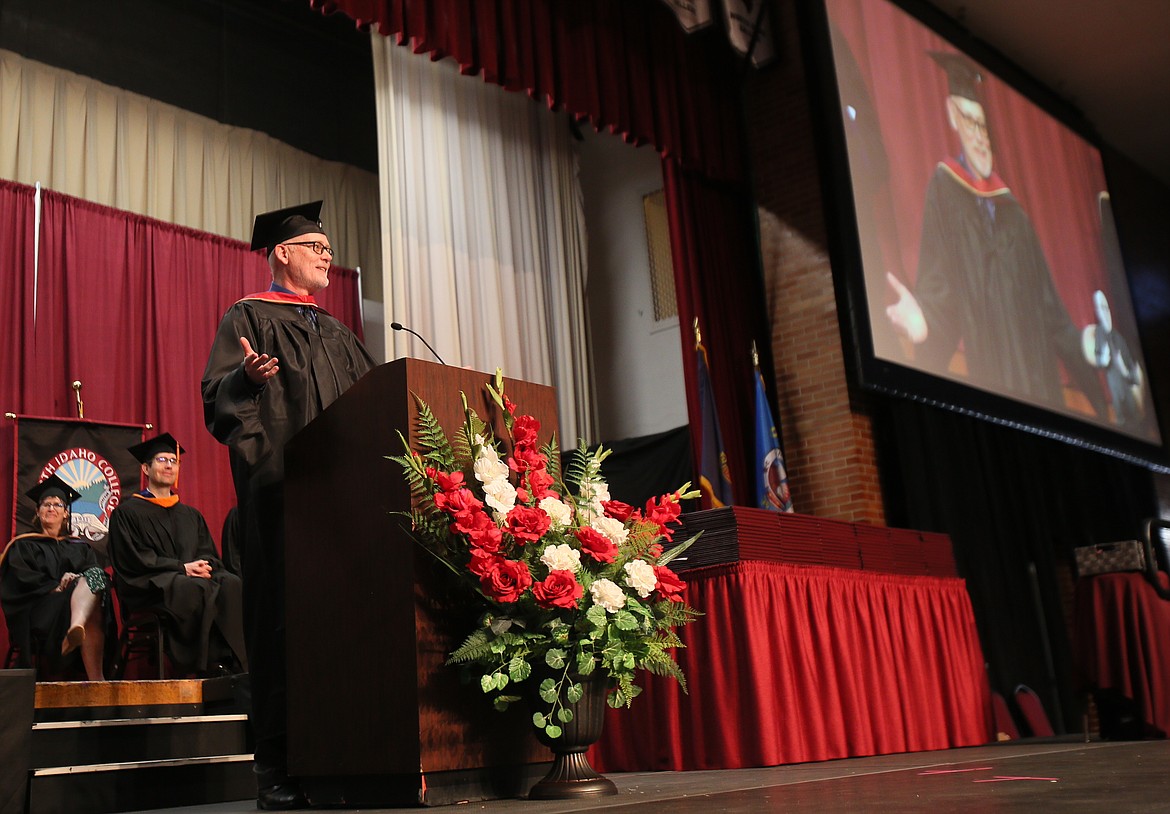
(828, 440)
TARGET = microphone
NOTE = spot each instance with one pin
(80, 406)
(398, 326)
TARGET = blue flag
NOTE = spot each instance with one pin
(771, 476)
(714, 476)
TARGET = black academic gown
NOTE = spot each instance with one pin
(319, 360)
(983, 279)
(31, 570)
(150, 544)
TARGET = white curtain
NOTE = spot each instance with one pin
(483, 232)
(94, 141)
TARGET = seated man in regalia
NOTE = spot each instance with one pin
(164, 559)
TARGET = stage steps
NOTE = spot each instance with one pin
(131, 745)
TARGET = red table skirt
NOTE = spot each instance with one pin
(797, 663)
(1123, 643)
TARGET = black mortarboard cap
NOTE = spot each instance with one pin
(163, 442)
(273, 228)
(963, 77)
(51, 486)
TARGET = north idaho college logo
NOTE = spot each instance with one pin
(100, 487)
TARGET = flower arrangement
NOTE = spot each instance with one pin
(574, 583)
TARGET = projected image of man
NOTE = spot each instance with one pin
(983, 284)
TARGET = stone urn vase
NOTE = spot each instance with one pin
(571, 776)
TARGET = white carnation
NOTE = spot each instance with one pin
(614, 529)
(640, 577)
(607, 594)
(561, 558)
(560, 512)
(500, 495)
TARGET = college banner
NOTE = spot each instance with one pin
(89, 456)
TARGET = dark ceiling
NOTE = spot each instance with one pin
(275, 66)
(281, 68)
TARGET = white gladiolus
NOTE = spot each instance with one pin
(560, 512)
(488, 467)
(561, 558)
(640, 577)
(607, 594)
(612, 528)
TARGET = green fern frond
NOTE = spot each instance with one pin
(578, 467)
(476, 646)
(661, 664)
(431, 440)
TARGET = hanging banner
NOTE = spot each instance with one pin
(692, 14)
(89, 456)
(749, 29)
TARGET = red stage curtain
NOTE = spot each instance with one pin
(717, 280)
(129, 306)
(629, 67)
(1123, 643)
(16, 286)
(797, 663)
(622, 64)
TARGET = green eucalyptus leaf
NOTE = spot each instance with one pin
(487, 682)
(553, 731)
(555, 658)
(501, 681)
(519, 669)
(538, 720)
(548, 690)
(564, 715)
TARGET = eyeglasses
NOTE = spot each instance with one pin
(58, 506)
(317, 246)
(973, 124)
(166, 461)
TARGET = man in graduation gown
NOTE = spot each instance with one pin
(982, 276)
(278, 360)
(164, 559)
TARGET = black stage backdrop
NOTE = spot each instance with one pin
(1010, 500)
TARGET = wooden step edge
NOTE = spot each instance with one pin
(170, 719)
(95, 768)
(58, 694)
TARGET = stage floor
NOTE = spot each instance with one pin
(1025, 777)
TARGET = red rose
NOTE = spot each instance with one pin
(505, 580)
(527, 524)
(596, 545)
(526, 459)
(669, 585)
(559, 590)
(482, 561)
(617, 510)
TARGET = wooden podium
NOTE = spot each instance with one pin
(375, 717)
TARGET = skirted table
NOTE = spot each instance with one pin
(1123, 643)
(799, 663)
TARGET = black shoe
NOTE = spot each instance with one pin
(281, 797)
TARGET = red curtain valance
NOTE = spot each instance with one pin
(625, 65)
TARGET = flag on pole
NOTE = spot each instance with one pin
(714, 475)
(771, 476)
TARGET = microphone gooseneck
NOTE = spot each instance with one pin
(398, 326)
